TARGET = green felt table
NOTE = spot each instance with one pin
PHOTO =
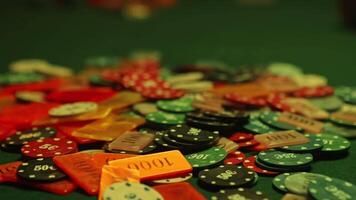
(306, 33)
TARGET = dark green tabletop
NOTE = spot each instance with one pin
(306, 33)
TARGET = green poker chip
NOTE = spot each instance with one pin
(17, 78)
(331, 103)
(347, 94)
(160, 117)
(334, 143)
(343, 131)
(284, 159)
(298, 183)
(256, 126)
(278, 182)
(331, 188)
(284, 69)
(207, 158)
(191, 134)
(271, 118)
(178, 105)
(315, 143)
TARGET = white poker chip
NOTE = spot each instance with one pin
(70, 109)
(128, 190)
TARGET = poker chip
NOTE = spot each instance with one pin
(206, 158)
(284, 159)
(186, 147)
(210, 125)
(30, 96)
(236, 98)
(308, 92)
(334, 143)
(281, 168)
(15, 142)
(242, 193)
(234, 158)
(347, 94)
(331, 188)
(284, 69)
(331, 103)
(174, 180)
(315, 143)
(160, 117)
(278, 182)
(241, 137)
(145, 108)
(40, 169)
(226, 176)
(248, 143)
(271, 118)
(48, 147)
(343, 118)
(18, 78)
(129, 190)
(250, 163)
(162, 93)
(177, 105)
(256, 126)
(71, 109)
(343, 131)
(146, 150)
(298, 183)
(190, 134)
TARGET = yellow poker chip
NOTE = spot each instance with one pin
(30, 96)
(70, 109)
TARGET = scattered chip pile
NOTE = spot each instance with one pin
(131, 129)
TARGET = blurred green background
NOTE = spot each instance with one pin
(308, 33)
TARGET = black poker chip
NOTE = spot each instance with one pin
(189, 134)
(231, 116)
(210, 125)
(189, 147)
(199, 115)
(40, 169)
(226, 176)
(239, 193)
(15, 142)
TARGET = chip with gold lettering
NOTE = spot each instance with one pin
(131, 141)
(281, 138)
(290, 121)
(158, 165)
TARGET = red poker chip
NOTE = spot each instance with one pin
(276, 101)
(234, 158)
(47, 85)
(258, 148)
(241, 137)
(162, 93)
(48, 147)
(250, 101)
(83, 94)
(248, 143)
(149, 84)
(250, 163)
(308, 92)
